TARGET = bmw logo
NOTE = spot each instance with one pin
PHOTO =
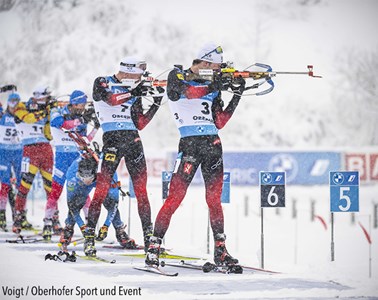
(338, 178)
(266, 178)
(284, 163)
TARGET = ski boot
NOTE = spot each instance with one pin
(152, 256)
(3, 220)
(123, 239)
(66, 236)
(57, 228)
(16, 228)
(147, 234)
(24, 222)
(47, 229)
(89, 243)
(103, 233)
(221, 256)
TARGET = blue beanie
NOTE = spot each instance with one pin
(14, 96)
(78, 97)
(13, 99)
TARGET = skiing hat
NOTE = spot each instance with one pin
(78, 97)
(41, 92)
(13, 99)
(87, 168)
(132, 65)
(211, 53)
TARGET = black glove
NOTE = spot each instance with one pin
(88, 115)
(238, 86)
(221, 82)
(216, 85)
(96, 122)
(139, 90)
(157, 100)
(9, 87)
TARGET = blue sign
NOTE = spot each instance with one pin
(131, 188)
(344, 189)
(301, 168)
(225, 197)
(165, 179)
(272, 189)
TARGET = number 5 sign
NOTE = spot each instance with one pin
(344, 188)
(272, 186)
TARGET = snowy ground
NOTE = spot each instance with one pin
(298, 248)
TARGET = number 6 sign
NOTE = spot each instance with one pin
(272, 185)
(344, 189)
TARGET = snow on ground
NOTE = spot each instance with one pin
(298, 248)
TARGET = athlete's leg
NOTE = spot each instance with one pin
(136, 166)
(29, 169)
(5, 177)
(108, 165)
(212, 172)
(111, 204)
(63, 160)
(46, 166)
(186, 165)
(16, 163)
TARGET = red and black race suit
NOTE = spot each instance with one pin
(204, 151)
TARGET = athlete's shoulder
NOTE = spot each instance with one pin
(176, 73)
(102, 81)
(101, 88)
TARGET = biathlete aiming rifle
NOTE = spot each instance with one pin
(228, 75)
(84, 145)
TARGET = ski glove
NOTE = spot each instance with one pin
(216, 85)
(157, 100)
(90, 115)
(238, 86)
(139, 90)
(220, 83)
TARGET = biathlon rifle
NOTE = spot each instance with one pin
(84, 145)
(231, 76)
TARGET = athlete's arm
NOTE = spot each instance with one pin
(221, 117)
(28, 117)
(141, 120)
(102, 92)
(177, 86)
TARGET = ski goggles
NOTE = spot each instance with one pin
(217, 50)
(86, 177)
(13, 102)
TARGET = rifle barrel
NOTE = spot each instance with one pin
(293, 73)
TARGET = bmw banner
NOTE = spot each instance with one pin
(301, 168)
